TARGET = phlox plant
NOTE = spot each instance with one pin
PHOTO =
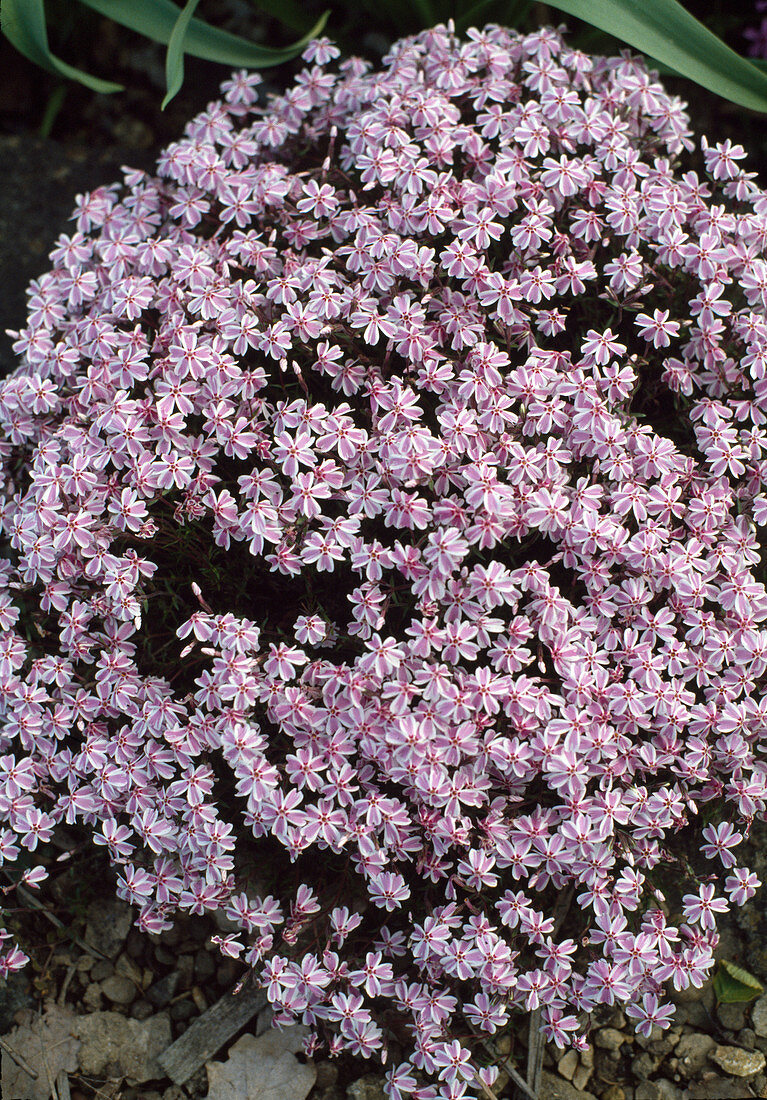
(383, 487)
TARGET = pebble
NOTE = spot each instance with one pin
(738, 1062)
(732, 1016)
(204, 966)
(126, 968)
(92, 998)
(692, 1053)
(715, 1087)
(568, 1064)
(141, 1009)
(582, 1076)
(614, 1092)
(182, 1010)
(369, 1087)
(119, 990)
(100, 970)
(109, 921)
(161, 993)
(171, 937)
(327, 1074)
(643, 1065)
(656, 1090)
(555, 1088)
(185, 968)
(759, 1017)
(136, 944)
(609, 1038)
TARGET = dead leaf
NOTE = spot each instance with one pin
(48, 1044)
(263, 1068)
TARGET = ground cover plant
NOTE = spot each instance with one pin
(382, 493)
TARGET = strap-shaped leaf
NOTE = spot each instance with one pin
(23, 24)
(174, 58)
(156, 19)
(663, 29)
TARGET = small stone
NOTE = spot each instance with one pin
(568, 1064)
(668, 1090)
(609, 1038)
(714, 1087)
(127, 968)
(556, 1088)
(643, 1065)
(118, 990)
(141, 1010)
(109, 921)
(185, 968)
(704, 996)
(164, 956)
(615, 1092)
(369, 1087)
(327, 1074)
(692, 1053)
(647, 1090)
(582, 1076)
(197, 1085)
(204, 966)
(92, 998)
(759, 1017)
(694, 1015)
(182, 1010)
(664, 1090)
(732, 1016)
(738, 1062)
(171, 937)
(129, 1047)
(100, 970)
(162, 992)
(135, 944)
(747, 1038)
(175, 1092)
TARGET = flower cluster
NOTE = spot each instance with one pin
(382, 483)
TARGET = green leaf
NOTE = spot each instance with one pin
(156, 19)
(732, 984)
(174, 58)
(23, 24)
(668, 33)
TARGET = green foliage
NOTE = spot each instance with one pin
(732, 984)
(668, 33)
(24, 25)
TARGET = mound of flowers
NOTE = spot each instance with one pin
(382, 485)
